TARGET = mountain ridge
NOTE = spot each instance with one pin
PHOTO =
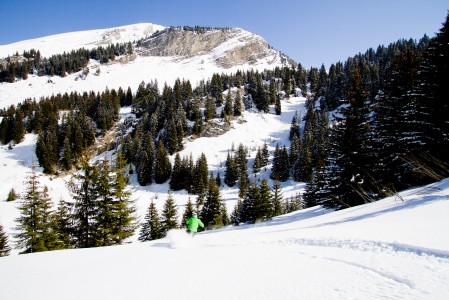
(240, 50)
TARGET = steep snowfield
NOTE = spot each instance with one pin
(384, 250)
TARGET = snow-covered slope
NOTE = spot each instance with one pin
(65, 42)
(390, 249)
(211, 53)
(16, 163)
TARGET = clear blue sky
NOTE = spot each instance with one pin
(309, 31)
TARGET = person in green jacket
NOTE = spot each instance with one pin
(193, 223)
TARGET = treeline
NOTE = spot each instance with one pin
(390, 129)
(31, 62)
(66, 125)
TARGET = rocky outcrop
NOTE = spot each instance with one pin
(228, 47)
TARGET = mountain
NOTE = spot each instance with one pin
(163, 54)
(390, 249)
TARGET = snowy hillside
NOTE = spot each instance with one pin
(390, 249)
(131, 71)
(16, 162)
(65, 42)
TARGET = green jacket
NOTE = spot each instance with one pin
(193, 223)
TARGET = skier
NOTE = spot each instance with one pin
(192, 224)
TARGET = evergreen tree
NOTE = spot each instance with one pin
(12, 195)
(4, 244)
(64, 224)
(237, 108)
(216, 87)
(264, 157)
(228, 107)
(213, 213)
(263, 205)
(277, 105)
(231, 171)
(84, 191)
(162, 167)
(200, 175)
(235, 217)
(242, 164)
(176, 178)
(257, 164)
(19, 129)
(169, 214)
(188, 212)
(286, 82)
(277, 199)
(123, 209)
(432, 94)
(347, 178)
(152, 228)
(280, 170)
(35, 231)
(146, 162)
(395, 126)
(210, 111)
(294, 127)
(248, 210)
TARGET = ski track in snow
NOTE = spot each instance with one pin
(369, 245)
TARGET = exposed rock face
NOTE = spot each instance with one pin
(229, 46)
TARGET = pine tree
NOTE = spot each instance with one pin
(264, 158)
(280, 170)
(176, 178)
(231, 171)
(19, 128)
(286, 82)
(162, 167)
(123, 208)
(432, 94)
(277, 105)
(84, 191)
(213, 213)
(169, 214)
(263, 205)
(294, 127)
(238, 104)
(188, 212)
(248, 210)
(64, 224)
(12, 195)
(152, 228)
(200, 175)
(242, 164)
(257, 164)
(235, 217)
(4, 244)
(227, 110)
(277, 199)
(35, 232)
(210, 111)
(395, 126)
(350, 161)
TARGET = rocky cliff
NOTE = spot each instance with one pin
(229, 46)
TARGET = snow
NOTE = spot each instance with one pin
(142, 68)
(390, 249)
